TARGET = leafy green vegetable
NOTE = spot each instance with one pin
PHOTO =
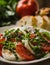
(7, 12)
(39, 36)
(9, 45)
(14, 34)
(7, 32)
(46, 34)
(27, 35)
(37, 51)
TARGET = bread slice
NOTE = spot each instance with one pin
(39, 21)
(35, 21)
(27, 20)
(47, 22)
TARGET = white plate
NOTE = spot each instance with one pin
(26, 62)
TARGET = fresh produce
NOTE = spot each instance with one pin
(7, 12)
(23, 52)
(26, 7)
(30, 44)
(2, 39)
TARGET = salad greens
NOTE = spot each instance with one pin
(7, 12)
(9, 45)
(17, 34)
(46, 34)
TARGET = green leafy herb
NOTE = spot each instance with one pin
(7, 12)
(46, 34)
(9, 45)
(7, 32)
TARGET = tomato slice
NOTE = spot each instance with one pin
(2, 40)
(1, 35)
(1, 46)
(13, 39)
(46, 47)
(32, 35)
(0, 52)
(23, 52)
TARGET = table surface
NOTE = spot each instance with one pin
(46, 62)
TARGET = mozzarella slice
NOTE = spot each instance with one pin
(26, 44)
(8, 55)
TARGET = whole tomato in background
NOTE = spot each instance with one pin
(26, 7)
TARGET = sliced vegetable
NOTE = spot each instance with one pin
(0, 52)
(32, 35)
(23, 52)
(1, 35)
(38, 52)
(1, 46)
(2, 39)
(46, 47)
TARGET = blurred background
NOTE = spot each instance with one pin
(44, 3)
(8, 16)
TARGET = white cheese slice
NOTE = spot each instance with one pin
(8, 55)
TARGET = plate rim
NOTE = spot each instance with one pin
(23, 62)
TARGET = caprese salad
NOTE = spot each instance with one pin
(24, 44)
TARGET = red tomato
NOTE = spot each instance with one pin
(13, 39)
(46, 47)
(1, 49)
(26, 7)
(23, 52)
(1, 35)
(2, 40)
(0, 52)
(32, 35)
(1, 45)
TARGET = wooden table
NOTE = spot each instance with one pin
(46, 62)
